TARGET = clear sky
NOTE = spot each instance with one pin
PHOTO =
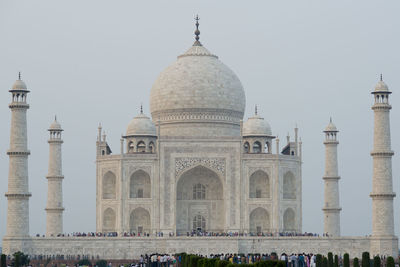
(299, 61)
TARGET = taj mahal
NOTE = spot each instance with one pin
(195, 165)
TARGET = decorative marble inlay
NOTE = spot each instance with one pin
(183, 164)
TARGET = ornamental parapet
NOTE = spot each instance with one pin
(331, 177)
(196, 115)
(18, 105)
(16, 195)
(383, 195)
(383, 154)
(18, 153)
(251, 156)
(55, 177)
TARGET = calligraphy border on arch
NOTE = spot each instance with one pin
(183, 164)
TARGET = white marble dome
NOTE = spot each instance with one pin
(19, 85)
(256, 126)
(331, 127)
(200, 86)
(381, 87)
(141, 125)
(55, 126)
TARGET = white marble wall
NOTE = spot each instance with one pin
(223, 157)
(132, 248)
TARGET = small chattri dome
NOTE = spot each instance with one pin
(55, 126)
(381, 87)
(19, 85)
(256, 126)
(331, 127)
(141, 125)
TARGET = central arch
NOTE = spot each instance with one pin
(199, 194)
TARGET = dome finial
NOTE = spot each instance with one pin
(197, 32)
(19, 75)
(255, 111)
(381, 77)
(141, 108)
(55, 117)
(330, 119)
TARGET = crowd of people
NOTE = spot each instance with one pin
(194, 233)
(293, 260)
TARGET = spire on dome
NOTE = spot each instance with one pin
(197, 32)
(19, 84)
(255, 111)
(141, 108)
(381, 77)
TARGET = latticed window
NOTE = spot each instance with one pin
(199, 191)
(199, 223)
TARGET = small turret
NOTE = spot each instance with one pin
(257, 135)
(141, 135)
(102, 147)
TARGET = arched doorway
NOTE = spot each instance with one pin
(259, 221)
(259, 185)
(139, 221)
(109, 182)
(199, 201)
(109, 220)
(289, 186)
(289, 221)
(140, 185)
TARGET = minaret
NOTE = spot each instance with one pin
(54, 208)
(382, 190)
(331, 207)
(18, 194)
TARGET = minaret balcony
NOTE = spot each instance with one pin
(18, 153)
(16, 195)
(383, 195)
(20, 105)
(382, 154)
(381, 106)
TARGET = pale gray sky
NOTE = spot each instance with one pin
(300, 61)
